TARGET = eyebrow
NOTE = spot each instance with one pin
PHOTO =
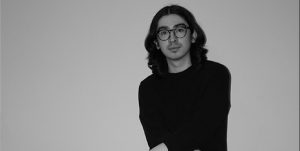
(166, 27)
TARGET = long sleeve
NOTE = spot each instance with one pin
(212, 110)
(150, 116)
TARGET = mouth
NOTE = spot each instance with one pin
(173, 48)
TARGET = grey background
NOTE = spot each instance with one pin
(70, 71)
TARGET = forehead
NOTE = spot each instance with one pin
(169, 21)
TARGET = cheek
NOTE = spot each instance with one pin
(188, 38)
(163, 47)
(186, 42)
(163, 44)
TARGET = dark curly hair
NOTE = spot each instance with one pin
(156, 59)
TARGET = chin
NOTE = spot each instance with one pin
(177, 55)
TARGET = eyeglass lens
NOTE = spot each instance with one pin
(179, 32)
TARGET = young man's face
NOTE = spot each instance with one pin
(174, 47)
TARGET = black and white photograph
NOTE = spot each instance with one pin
(141, 75)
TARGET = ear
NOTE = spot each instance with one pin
(156, 44)
(194, 37)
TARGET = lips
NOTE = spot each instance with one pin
(173, 48)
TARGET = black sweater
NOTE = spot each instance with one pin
(187, 110)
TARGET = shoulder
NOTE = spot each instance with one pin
(146, 90)
(214, 71)
(148, 82)
(215, 68)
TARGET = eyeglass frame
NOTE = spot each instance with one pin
(173, 30)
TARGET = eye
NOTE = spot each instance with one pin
(180, 29)
(163, 32)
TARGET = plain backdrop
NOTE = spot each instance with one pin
(70, 71)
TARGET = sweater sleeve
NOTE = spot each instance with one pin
(150, 116)
(212, 109)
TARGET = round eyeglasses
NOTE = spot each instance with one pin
(165, 34)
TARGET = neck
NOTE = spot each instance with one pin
(176, 66)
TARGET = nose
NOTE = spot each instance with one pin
(172, 36)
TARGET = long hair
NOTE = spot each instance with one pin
(156, 59)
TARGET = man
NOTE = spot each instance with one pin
(184, 104)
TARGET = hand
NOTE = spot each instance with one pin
(160, 147)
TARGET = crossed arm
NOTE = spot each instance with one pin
(163, 147)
